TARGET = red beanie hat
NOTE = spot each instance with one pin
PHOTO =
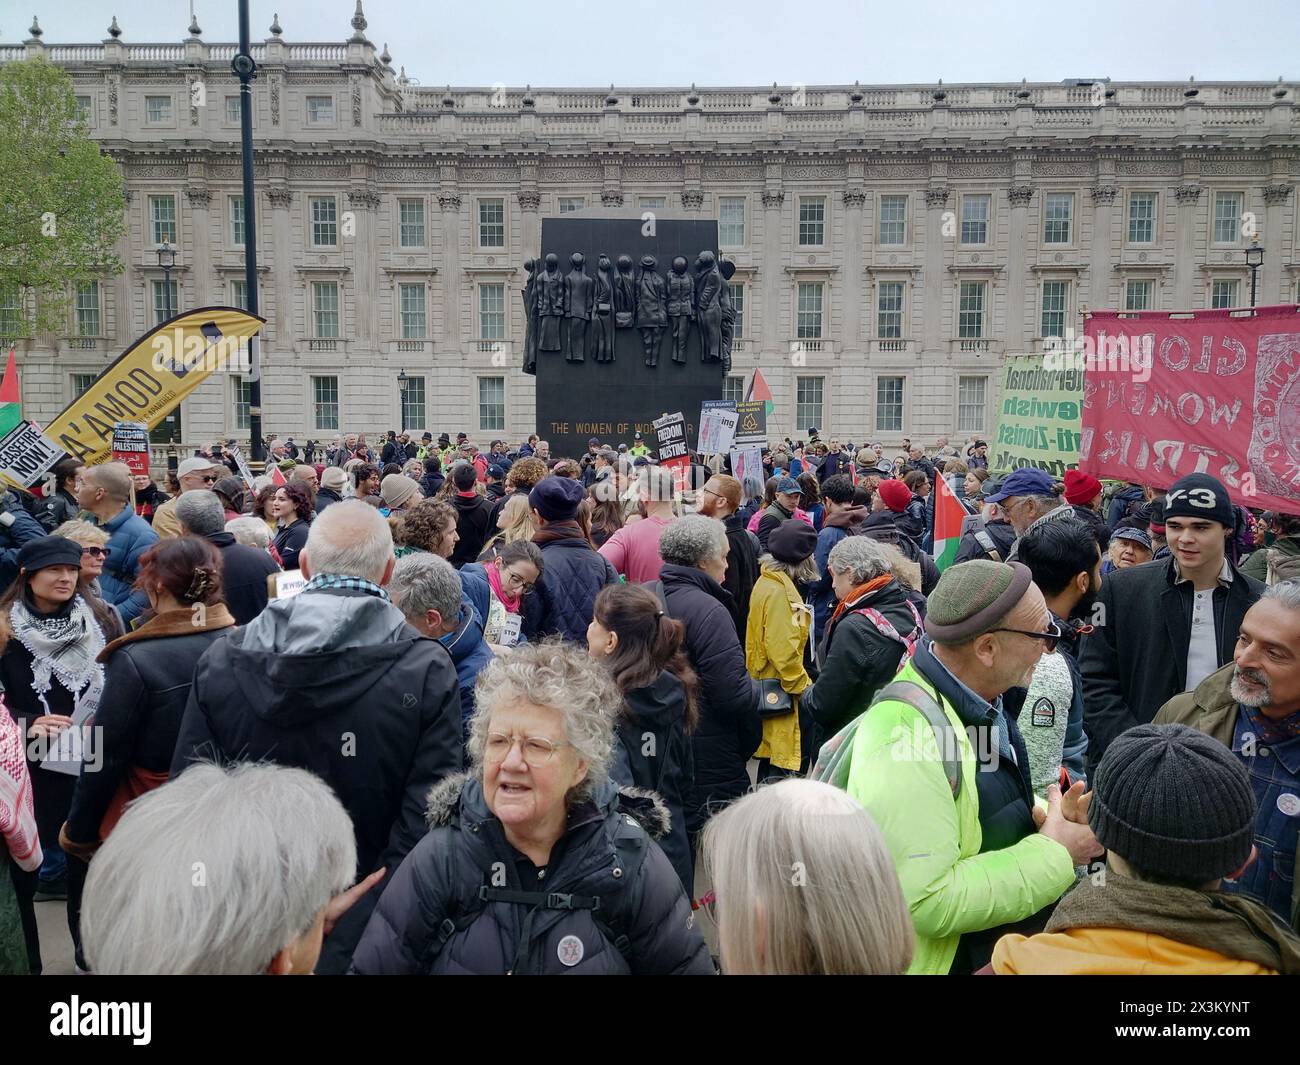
(895, 494)
(1081, 487)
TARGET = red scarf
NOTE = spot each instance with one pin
(494, 580)
(861, 590)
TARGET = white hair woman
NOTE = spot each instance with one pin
(536, 863)
(872, 629)
(221, 872)
(804, 885)
(250, 531)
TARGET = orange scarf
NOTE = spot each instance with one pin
(858, 592)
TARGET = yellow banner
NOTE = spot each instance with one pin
(148, 380)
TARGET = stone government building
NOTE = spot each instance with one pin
(891, 242)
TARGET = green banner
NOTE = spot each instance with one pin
(1039, 416)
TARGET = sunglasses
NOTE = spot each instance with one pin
(209, 479)
(95, 552)
(1050, 639)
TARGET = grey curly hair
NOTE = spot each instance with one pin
(564, 677)
(691, 540)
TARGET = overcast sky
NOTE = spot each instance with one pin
(744, 42)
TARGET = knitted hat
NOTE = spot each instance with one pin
(397, 488)
(1081, 487)
(972, 598)
(333, 478)
(49, 551)
(895, 494)
(1173, 803)
(1198, 495)
(792, 541)
(556, 498)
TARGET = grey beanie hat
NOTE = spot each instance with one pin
(1173, 803)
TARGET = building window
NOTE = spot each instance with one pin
(325, 308)
(569, 204)
(737, 292)
(893, 219)
(1138, 295)
(239, 294)
(492, 403)
(411, 299)
(1055, 299)
(889, 310)
(652, 203)
(232, 110)
(492, 223)
(975, 219)
(492, 311)
(1058, 210)
(413, 415)
(410, 214)
(808, 402)
(237, 221)
(1227, 217)
(733, 389)
(325, 402)
(243, 400)
(970, 404)
(889, 404)
(165, 302)
(87, 309)
(162, 219)
(731, 221)
(812, 221)
(970, 309)
(320, 110)
(1141, 217)
(82, 383)
(11, 314)
(83, 110)
(324, 222)
(157, 109)
(810, 311)
(1223, 294)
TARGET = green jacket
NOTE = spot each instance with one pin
(1210, 708)
(1256, 565)
(896, 773)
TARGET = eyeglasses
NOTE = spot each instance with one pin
(209, 479)
(95, 552)
(1050, 639)
(516, 581)
(537, 749)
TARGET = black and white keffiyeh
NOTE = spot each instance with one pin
(62, 646)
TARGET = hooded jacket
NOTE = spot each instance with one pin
(1256, 565)
(775, 641)
(336, 682)
(129, 537)
(653, 752)
(611, 904)
(729, 729)
(1137, 661)
(474, 524)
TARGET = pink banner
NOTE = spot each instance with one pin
(1217, 392)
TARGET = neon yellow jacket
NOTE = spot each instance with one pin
(774, 646)
(896, 773)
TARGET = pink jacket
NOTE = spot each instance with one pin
(799, 513)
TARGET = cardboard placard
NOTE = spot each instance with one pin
(671, 431)
(242, 463)
(285, 585)
(131, 446)
(26, 454)
(751, 427)
(718, 420)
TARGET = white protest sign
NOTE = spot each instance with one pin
(26, 454)
(718, 419)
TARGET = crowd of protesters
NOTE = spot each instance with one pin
(431, 708)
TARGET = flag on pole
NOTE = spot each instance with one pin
(277, 477)
(11, 412)
(948, 517)
(758, 391)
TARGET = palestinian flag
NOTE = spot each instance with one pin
(758, 390)
(10, 398)
(277, 478)
(948, 517)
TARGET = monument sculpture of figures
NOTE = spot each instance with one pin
(651, 307)
(728, 270)
(550, 305)
(530, 317)
(603, 311)
(681, 306)
(624, 294)
(708, 306)
(579, 298)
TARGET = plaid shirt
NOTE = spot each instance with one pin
(337, 580)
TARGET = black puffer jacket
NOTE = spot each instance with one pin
(652, 751)
(884, 526)
(55, 510)
(474, 524)
(244, 571)
(610, 903)
(561, 604)
(729, 730)
(856, 659)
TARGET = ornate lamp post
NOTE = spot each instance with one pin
(403, 383)
(1254, 259)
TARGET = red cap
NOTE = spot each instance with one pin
(1081, 487)
(895, 494)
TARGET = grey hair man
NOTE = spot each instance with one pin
(1025, 496)
(272, 847)
(334, 680)
(244, 570)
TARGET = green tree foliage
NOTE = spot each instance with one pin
(62, 205)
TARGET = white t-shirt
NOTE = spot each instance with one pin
(1202, 648)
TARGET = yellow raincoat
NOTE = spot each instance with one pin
(775, 639)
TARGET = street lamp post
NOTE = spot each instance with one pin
(403, 382)
(1254, 259)
(167, 260)
(246, 70)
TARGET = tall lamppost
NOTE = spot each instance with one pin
(246, 70)
(403, 383)
(167, 260)
(1254, 259)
